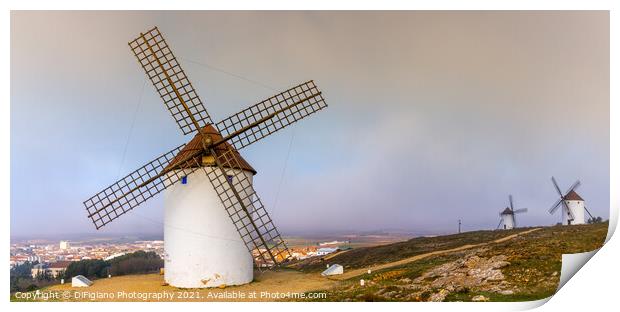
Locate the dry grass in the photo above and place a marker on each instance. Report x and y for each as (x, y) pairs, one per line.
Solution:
(283, 281)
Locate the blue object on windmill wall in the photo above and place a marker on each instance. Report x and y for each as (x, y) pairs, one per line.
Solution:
(184, 180)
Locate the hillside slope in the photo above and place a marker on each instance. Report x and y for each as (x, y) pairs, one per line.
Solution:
(523, 268)
(369, 256)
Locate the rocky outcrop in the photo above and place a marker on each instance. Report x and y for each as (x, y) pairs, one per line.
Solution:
(479, 298)
(470, 274)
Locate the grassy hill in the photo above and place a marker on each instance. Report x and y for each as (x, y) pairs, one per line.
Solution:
(526, 267)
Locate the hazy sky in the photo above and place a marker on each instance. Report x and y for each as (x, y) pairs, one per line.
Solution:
(432, 117)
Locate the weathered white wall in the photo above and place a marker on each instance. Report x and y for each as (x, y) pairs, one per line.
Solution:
(509, 221)
(578, 211)
(202, 246)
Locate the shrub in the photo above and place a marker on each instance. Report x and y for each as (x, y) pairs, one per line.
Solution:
(136, 263)
(89, 268)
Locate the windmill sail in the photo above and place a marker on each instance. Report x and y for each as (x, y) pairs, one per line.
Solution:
(568, 211)
(588, 211)
(271, 115)
(245, 208)
(500, 223)
(556, 205)
(557, 188)
(137, 187)
(166, 74)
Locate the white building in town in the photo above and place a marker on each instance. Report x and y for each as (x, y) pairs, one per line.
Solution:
(64, 245)
(326, 251)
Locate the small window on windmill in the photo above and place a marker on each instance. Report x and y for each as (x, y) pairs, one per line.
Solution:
(229, 178)
(184, 180)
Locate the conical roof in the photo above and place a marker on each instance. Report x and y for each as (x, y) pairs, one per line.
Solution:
(572, 195)
(196, 145)
(506, 211)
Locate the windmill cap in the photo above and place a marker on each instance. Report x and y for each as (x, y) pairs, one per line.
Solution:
(196, 145)
(572, 195)
(506, 211)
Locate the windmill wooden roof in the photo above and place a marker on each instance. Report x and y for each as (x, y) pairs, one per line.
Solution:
(572, 195)
(506, 211)
(196, 145)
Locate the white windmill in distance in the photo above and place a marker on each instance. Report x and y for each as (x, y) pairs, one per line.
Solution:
(573, 206)
(507, 216)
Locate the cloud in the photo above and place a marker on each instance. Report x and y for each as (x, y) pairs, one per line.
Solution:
(433, 116)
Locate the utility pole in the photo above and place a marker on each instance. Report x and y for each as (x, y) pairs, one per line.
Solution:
(459, 226)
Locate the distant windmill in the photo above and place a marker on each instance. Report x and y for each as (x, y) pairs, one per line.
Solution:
(216, 226)
(573, 206)
(507, 216)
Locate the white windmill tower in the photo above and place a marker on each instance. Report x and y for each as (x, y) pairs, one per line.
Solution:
(507, 216)
(215, 223)
(573, 206)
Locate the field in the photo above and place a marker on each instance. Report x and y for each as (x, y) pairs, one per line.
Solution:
(516, 265)
(355, 241)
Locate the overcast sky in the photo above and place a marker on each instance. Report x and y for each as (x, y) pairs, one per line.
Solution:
(432, 117)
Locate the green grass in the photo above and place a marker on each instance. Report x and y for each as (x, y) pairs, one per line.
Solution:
(495, 297)
(536, 258)
(535, 262)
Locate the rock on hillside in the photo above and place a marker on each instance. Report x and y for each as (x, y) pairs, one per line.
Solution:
(468, 274)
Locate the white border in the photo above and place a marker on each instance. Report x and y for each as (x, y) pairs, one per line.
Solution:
(593, 287)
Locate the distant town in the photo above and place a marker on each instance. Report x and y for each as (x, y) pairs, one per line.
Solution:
(54, 256)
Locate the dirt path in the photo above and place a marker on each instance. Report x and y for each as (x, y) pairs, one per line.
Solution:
(357, 272)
